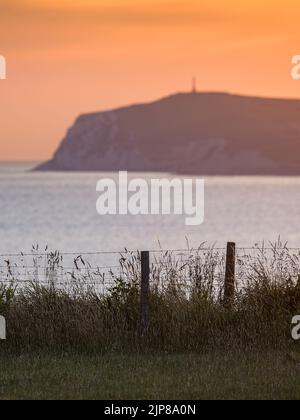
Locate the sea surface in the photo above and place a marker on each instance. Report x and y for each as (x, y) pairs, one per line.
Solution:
(58, 210)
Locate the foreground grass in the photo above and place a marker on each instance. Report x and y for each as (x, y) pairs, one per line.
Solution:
(273, 375)
(186, 304)
(195, 346)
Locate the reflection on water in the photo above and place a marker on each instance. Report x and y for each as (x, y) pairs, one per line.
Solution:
(59, 209)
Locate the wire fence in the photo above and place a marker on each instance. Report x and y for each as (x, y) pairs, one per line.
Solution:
(185, 269)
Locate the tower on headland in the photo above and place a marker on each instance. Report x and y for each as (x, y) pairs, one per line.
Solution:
(194, 85)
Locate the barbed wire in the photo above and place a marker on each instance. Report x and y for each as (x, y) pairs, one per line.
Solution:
(183, 269)
(153, 251)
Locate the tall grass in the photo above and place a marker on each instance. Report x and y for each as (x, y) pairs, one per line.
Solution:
(186, 304)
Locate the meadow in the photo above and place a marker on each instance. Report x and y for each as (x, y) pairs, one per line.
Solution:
(212, 375)
(76, 342)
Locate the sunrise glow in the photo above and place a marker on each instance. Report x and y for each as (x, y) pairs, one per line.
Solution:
(66, 57)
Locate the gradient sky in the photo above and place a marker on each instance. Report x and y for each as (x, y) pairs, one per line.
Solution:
(66, 57)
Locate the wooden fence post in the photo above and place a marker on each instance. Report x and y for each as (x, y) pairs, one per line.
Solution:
(229, 286)
(145, 283)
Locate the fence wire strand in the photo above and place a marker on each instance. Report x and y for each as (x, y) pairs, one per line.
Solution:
(185, 269)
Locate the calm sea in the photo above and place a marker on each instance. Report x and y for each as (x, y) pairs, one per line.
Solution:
(58, 210)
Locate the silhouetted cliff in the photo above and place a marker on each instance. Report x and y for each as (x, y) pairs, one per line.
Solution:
(194, 133)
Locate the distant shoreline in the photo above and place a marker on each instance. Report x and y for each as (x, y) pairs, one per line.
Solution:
(30, 166)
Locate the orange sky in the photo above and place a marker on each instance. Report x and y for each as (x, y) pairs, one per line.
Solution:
(66, 57)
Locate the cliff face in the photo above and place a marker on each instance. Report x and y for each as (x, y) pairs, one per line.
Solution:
(196, 133)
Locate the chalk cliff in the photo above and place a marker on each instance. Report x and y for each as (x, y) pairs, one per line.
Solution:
(192, 133)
